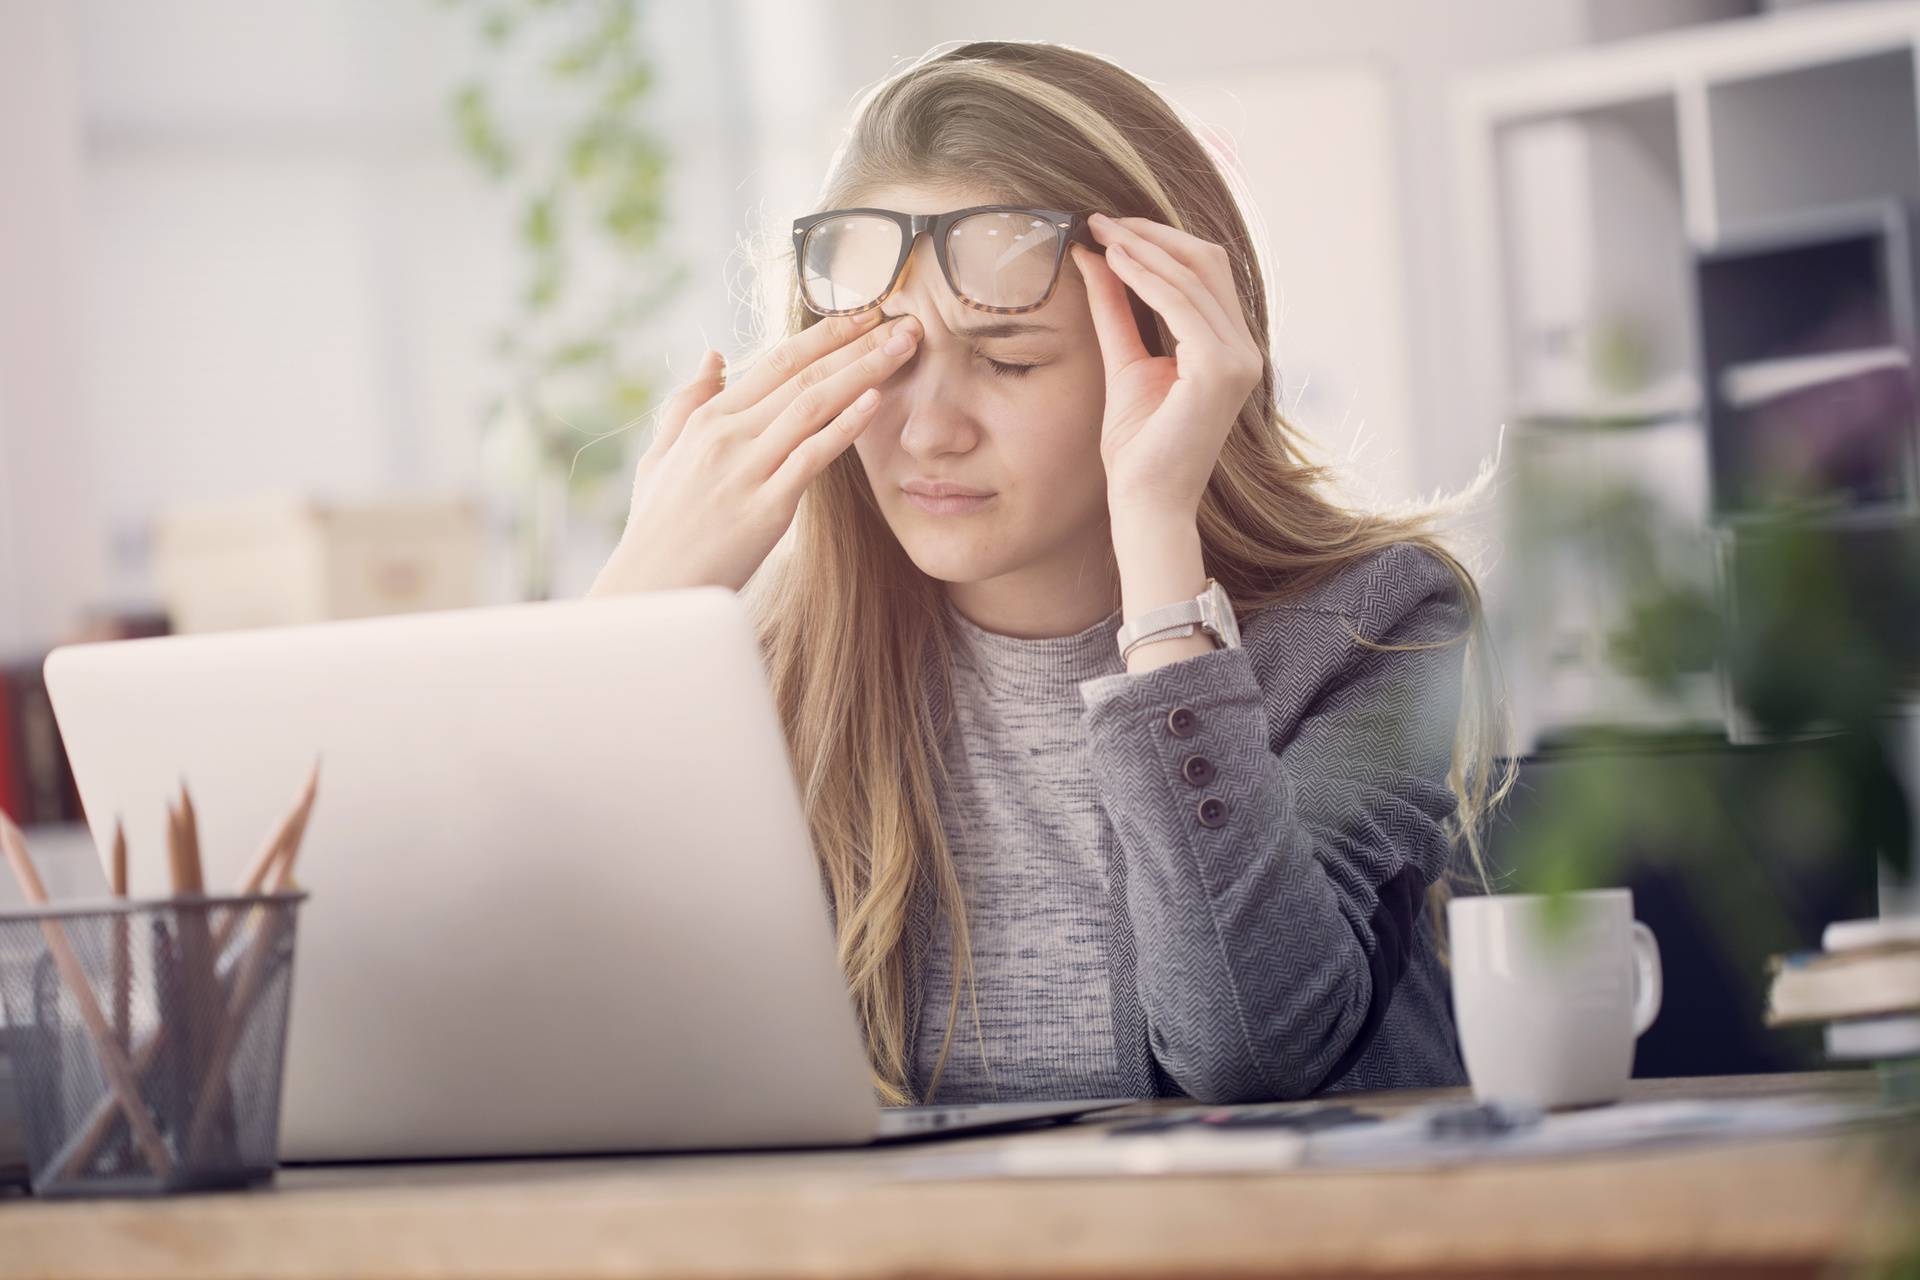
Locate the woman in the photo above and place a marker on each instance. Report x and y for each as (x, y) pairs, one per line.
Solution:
(1055, 871)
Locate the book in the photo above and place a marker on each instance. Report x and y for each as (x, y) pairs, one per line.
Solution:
(1814, 986)
(1851, 935)
(44, 789)
(1894, 1036)
(12, 789)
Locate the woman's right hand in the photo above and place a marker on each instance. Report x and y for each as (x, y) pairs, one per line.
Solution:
(722, 478)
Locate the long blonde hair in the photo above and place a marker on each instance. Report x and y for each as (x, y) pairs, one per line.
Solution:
(853, 631)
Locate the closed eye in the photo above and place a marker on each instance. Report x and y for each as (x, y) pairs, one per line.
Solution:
(1006, 369)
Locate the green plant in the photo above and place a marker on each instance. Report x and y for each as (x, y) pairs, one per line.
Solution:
(590, 200)
(1812, 619)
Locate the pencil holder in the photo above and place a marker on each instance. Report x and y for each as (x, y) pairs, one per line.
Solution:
(148, 1040)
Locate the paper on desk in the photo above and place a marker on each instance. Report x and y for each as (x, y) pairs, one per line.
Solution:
(1097, 1155)
(1406, 1140)
(69, 865)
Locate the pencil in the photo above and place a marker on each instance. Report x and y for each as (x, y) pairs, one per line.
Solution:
(206, 999)
(253, 970)
(93, 1131)
(122, 942)
(119, 1074)
(195, 880)
(283, 833)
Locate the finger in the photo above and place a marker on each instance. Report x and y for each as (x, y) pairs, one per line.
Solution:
(1174, 272)
(1203, 257)
(706, 383)
(791, 355)
(1113, 320)
(776, 402)
(811, 456)
(1175, 307)
(831, 396)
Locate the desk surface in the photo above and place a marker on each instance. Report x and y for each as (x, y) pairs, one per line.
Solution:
(1778, 1206)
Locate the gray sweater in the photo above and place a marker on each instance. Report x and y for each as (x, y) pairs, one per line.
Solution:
(1205, 879)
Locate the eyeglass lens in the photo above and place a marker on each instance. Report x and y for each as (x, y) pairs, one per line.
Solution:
(999, 258)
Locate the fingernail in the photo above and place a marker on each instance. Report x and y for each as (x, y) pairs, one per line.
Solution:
(867, 400)
(901, 342)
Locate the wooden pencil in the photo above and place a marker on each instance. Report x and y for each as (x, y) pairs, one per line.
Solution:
(119, 859)
(205, 1004)
(281, 835)
(253, 969)
(120, 1077)
(287, 835)
(122, 942)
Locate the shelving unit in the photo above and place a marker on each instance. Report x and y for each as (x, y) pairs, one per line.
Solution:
(1807, 336)
(1693, 245)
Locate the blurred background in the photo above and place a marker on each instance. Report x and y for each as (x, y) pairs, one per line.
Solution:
(336, 308)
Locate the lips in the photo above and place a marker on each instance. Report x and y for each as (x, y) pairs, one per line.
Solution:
(947, 503)
(943, 489)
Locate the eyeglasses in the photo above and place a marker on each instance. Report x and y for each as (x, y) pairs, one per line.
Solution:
(995, 257)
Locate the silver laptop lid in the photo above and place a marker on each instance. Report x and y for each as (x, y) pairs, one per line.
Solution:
(562, 891)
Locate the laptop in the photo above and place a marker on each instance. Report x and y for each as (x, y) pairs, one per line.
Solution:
(562, 893)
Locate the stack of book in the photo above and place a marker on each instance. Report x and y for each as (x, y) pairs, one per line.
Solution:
(36, 782)
(1864, 984)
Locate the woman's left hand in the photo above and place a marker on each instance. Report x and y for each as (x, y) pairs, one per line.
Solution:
(1166, 416)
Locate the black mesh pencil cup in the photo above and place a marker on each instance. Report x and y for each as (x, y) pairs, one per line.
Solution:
(148, 1039)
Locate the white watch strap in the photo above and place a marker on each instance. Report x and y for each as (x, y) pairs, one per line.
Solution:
(1185, 613)
(1179, 619)
(1164, 633)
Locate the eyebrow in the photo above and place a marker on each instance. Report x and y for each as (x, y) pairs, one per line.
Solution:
(1004, 329)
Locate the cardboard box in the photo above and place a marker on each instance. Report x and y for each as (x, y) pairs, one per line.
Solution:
(283, 559)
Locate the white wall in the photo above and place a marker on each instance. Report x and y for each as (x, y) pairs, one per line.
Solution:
(240, 250)
(46, 465)
(243, 252)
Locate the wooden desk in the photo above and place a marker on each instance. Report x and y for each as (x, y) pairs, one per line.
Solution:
(1770, 1207)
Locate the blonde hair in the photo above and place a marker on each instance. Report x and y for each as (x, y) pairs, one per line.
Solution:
(853, 631)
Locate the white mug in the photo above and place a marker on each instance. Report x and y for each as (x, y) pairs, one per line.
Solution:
(1548, 1012)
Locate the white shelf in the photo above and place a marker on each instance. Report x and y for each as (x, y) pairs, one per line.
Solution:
(1590, 182)
(1860, 517)
(1671, 63)
(1745, 386)
(1675, 396)
(1596, 254)
(1847, 130)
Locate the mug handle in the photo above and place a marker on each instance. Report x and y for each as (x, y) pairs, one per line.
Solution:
(1647, 978)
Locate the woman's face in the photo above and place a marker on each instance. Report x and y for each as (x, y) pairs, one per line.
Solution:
(1006, 405)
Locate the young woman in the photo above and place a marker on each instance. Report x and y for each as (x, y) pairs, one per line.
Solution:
(1055, 870)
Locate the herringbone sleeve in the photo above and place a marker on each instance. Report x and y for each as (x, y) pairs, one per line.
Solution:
(1279, 812)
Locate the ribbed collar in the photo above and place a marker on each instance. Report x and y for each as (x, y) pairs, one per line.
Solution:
(1042, 667)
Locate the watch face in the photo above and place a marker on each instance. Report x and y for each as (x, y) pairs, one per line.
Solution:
(1228, 625)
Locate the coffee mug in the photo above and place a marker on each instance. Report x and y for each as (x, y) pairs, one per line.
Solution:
(1549, 1009)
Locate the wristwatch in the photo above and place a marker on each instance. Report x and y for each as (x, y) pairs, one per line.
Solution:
(1210, 611)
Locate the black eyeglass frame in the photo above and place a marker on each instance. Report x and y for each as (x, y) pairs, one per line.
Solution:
(1071, 224)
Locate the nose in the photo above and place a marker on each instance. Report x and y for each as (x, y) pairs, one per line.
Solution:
(926, 392)
(911, 291)
(936, 424)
